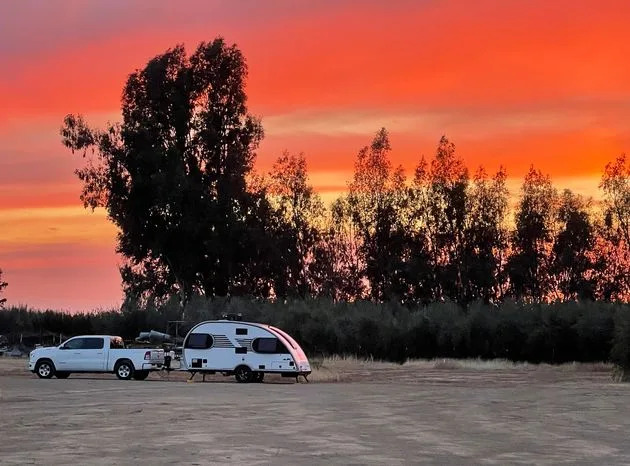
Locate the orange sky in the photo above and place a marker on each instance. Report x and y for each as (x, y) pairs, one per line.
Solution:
(511, 82)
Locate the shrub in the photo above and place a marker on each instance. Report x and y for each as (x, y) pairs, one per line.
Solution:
(620, 353)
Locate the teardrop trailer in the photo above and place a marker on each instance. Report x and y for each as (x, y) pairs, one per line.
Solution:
(246, 350)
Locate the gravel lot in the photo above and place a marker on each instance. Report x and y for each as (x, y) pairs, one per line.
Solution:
(382, 415)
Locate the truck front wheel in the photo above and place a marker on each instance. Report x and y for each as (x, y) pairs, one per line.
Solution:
(45, 369)
(124, 370)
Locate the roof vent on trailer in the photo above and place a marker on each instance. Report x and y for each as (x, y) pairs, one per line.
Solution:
(232, 316)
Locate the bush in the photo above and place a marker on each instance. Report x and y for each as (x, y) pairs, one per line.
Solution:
(620, 353)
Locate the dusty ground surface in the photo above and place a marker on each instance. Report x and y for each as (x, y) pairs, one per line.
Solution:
(433, 412)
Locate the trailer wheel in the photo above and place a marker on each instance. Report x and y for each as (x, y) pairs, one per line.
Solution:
(124, 369)
(258, 377)
(243, 374)
(140, 375)
(45, 369)
(62, 375)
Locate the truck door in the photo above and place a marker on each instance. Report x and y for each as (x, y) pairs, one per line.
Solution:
(82, 354)
(70, 355)
(93, 354)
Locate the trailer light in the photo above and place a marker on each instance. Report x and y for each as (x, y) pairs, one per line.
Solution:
(147, 355)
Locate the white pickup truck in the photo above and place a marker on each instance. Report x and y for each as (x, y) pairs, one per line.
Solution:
(94, 353)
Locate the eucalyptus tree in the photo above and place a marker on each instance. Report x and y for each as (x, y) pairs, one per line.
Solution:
(173, 175)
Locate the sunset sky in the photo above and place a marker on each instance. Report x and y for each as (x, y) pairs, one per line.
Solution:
(510, 82)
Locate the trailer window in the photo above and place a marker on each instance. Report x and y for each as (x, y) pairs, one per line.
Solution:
(269, 346)
(199, 341)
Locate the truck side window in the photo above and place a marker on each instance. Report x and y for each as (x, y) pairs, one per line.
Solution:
(241, 331)
(92, 343)
(74, 344)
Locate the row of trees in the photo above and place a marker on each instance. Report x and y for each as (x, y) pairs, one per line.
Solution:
(447, 236)
(176, 177)
(553, 333)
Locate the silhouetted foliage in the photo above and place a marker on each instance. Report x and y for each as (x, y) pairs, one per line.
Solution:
(529, 266)
(518, 331)
(573, 263)
(176, 177)
(3, 285)
(485, 238)
(612, 244)
(299, 209)
(620, 352)
(375, 203)
(173, 176)
(337, 268)
(615, 184)
(447, 199)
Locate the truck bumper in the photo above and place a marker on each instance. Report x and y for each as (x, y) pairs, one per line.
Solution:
(151, 366)
(31, 366)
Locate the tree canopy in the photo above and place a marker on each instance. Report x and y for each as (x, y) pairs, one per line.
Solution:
(177, 177)
(173, 175)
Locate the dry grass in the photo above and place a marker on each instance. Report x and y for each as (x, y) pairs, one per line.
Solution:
(350, 368)
(343, 368)
(619, 374)
(504, 364)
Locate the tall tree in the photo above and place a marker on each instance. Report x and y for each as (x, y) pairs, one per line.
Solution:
(338, 266)
(616, 186)
(529, 266)
(173, 175)
(446, 216)
(612, 245)
(611, 265)
(485, 237)
(573, 263)
(299, 209)
(375, 200)
(3, 285)
(422, 265)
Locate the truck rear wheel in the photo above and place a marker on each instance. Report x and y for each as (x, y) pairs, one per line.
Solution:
(140, 375)
(243, 374)
(124, 370)
(258, 377)
(45, 369)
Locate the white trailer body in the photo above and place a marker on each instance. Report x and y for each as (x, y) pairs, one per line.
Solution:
(244, 349)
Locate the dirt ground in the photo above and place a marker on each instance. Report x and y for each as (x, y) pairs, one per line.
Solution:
(424, 412)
